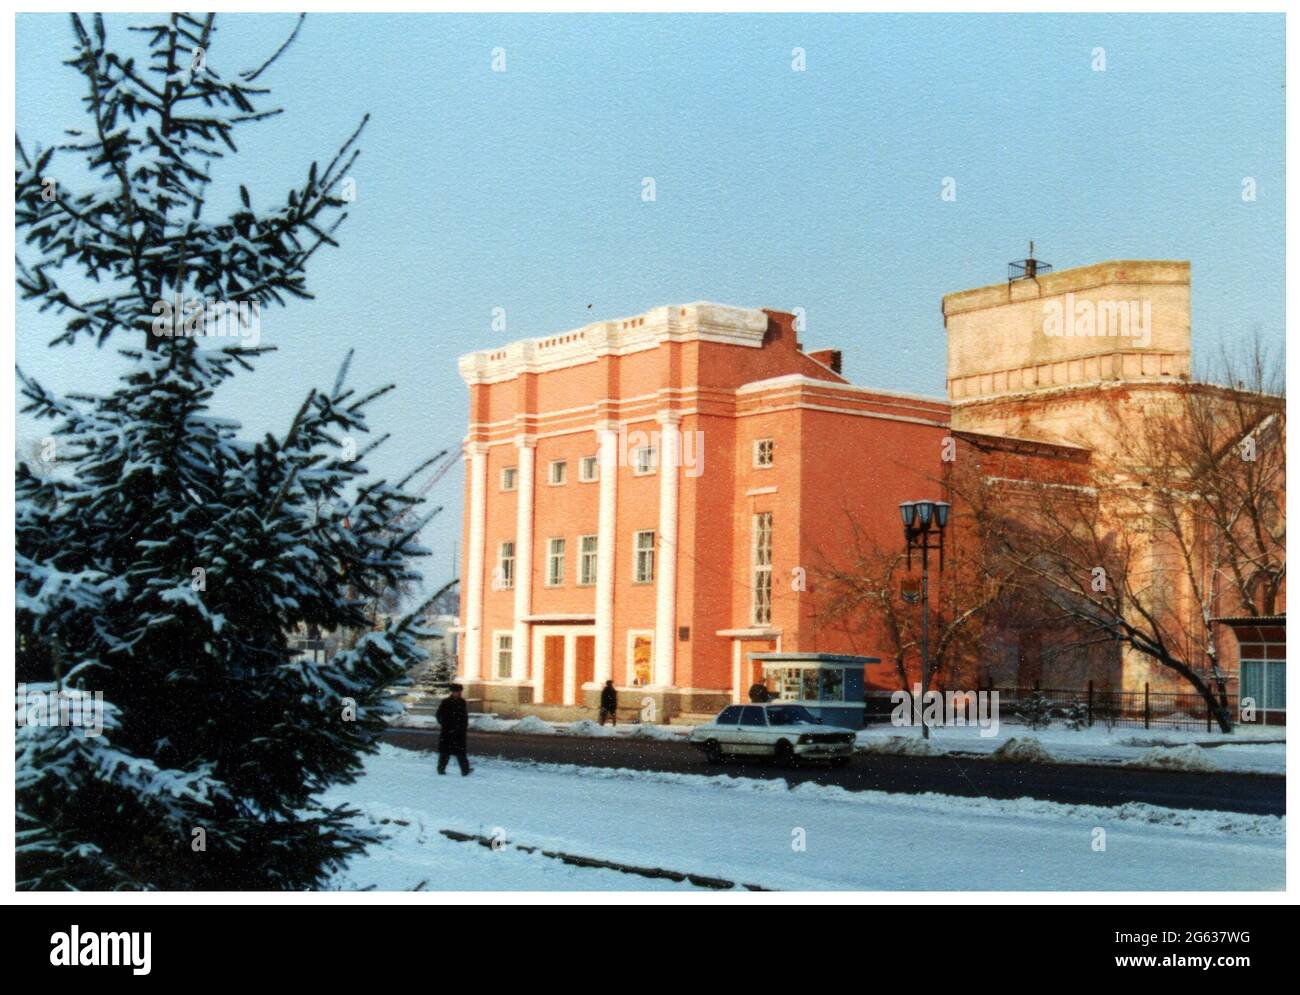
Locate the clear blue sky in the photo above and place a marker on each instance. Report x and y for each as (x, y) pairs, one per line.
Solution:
(816, 189)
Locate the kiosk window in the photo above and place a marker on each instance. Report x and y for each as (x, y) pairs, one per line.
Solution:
(832, 684)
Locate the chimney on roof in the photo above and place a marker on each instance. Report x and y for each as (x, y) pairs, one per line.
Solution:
(829, 357)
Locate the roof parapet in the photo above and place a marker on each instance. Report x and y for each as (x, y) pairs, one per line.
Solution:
(701, 321)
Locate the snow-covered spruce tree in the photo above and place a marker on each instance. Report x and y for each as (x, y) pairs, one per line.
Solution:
(168, 561)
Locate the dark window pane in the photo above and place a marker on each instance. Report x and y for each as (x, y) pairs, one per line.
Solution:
(789, 715)
(729, 717)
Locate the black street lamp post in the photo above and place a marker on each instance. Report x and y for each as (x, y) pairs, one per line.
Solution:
(923, 526)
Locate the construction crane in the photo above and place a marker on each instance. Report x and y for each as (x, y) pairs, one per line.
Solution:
(438, 473)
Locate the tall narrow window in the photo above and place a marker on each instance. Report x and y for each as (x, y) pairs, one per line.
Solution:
(587, 560)
(763, 568)
(555, 563)
(588, 469)
(507, 567)
(559, 472)
(505, 655)
(764, 452)
(644, 556)
(510, 478)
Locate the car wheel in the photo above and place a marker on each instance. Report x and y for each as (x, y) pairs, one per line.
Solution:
(784, 753)
(713, 752)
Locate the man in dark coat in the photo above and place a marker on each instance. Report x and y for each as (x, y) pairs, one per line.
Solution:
(453, 726)
(759, 693)
(608, 703)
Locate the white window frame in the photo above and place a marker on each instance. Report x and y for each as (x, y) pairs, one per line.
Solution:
(583, 476)
(558, 468)
(759, 445)
(1262, 710)
(506, 564)
(510, 478)
(555, 561)
(586, 557)
(638, 552)
(760, 556)
(646, 467)
(497, 636)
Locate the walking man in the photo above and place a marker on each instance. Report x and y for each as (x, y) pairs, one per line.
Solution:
(453, 726)
(608, 703)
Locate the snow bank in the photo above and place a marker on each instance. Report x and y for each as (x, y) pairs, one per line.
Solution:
(490, 723)
(1189, 756)
(650, 730)
(1025, 750)
(586, 727)
(534, 726)
(410, 720)
(901, 746)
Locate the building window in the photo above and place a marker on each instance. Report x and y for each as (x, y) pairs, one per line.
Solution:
(644, 556)
(762, 556)
(640, 657)
(555, 563)
(504, 653)
(644, 460)
(588, 469)
(1265, 682)
(506, 571)
(764, 452)
(587, 560)
(510, 478)
(559, 472)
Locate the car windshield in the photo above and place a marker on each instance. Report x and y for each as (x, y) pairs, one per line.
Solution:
(788, 715)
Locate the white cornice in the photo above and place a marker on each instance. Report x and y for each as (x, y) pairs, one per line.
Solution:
(698, 322)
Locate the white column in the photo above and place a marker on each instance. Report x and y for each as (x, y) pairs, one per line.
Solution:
(474, 568)
(523, 554)
(666, 565)
(606, 542)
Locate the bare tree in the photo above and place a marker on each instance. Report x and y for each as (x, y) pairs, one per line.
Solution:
(864, 594)
(1185, 524)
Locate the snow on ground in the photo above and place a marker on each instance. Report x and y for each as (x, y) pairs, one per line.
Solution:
(1021, 750)
(535, 726)
(1189, 756)
(901, 746)
(1246, 750)
(1249, 749)
(745, 830)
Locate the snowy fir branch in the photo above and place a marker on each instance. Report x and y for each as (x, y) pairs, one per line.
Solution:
(171, 562)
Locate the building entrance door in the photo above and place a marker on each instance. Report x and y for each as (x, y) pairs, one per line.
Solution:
(553, 668)
(585, 664)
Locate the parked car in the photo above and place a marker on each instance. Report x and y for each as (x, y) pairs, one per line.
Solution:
(776, 729)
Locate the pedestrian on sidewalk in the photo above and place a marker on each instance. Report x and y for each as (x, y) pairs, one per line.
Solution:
(609, 703)
(453, 730)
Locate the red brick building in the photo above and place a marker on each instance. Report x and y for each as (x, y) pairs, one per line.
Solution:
(649, 499)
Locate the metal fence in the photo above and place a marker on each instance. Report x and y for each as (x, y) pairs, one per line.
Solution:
(1145, 709)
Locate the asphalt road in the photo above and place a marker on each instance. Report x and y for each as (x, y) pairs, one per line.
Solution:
(1258, 794)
